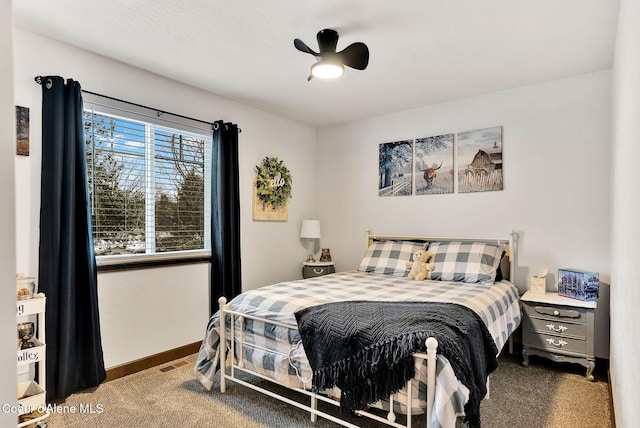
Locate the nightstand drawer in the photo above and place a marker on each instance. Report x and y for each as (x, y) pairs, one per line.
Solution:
(313, 271)
(558, 344)
(559, 313)
(558, 327)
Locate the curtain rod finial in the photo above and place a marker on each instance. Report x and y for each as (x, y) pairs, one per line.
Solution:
(39, 80)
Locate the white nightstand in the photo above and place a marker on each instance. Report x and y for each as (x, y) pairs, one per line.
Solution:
(558, 328)
(312, 269)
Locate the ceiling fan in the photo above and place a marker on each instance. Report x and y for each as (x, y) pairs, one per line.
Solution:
(331, 63)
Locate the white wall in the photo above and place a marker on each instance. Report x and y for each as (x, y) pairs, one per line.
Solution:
(150, 311)
(556, 152)
(7, 243)
(625, 340)
(145, 312)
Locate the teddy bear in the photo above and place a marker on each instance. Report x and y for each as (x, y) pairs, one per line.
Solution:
(420, 266)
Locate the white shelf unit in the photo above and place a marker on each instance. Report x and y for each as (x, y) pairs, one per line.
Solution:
(34, 390)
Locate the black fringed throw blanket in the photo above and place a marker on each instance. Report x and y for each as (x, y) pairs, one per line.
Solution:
(365, 348)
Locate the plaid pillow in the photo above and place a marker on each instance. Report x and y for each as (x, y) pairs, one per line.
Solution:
(465, 261)
(390, 257)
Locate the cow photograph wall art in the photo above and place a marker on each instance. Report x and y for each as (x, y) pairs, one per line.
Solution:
(434, 165)
(479, 158)
(395, 161)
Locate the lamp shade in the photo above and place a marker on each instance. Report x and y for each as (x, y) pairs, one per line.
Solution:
(310, 229)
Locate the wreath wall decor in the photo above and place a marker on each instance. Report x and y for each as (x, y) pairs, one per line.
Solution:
(272, 189)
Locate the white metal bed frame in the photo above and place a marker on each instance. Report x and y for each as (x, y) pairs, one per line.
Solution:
(508, 269)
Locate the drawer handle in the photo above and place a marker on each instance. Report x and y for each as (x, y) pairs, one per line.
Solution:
(560, 343)
(565, 313)
(558, 329)
(318, 271)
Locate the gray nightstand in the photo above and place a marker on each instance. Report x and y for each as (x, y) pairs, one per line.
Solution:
(312, 269)
(558, 328)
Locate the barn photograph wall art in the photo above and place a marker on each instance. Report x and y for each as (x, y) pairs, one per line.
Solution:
(395, 161)
(434, 165)
(479, 159)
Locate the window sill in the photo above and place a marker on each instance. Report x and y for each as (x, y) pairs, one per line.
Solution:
(148, 261)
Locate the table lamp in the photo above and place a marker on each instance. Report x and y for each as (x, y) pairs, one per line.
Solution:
(310, 230)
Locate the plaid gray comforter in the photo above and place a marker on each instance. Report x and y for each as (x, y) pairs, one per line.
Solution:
(274, 347)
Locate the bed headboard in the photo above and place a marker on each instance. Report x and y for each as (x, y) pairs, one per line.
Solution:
(507, 265)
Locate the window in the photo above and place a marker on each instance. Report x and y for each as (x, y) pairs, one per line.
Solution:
(148, 184)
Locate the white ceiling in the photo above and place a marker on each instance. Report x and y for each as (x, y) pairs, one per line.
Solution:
(422, 51)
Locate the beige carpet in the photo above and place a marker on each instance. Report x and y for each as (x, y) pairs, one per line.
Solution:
(542, 395)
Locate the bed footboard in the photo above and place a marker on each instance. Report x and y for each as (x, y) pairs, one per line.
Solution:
(312, 408)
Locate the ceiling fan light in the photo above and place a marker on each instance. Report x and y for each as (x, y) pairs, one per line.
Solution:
(327, 70)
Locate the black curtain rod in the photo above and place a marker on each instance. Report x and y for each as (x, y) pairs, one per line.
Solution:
(159, 113)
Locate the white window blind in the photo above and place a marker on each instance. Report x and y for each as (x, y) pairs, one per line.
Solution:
(148, 183)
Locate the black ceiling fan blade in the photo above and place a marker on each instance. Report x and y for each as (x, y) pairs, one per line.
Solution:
(355, 55)
(301, 46)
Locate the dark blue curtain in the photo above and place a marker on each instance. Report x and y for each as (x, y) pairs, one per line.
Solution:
(225, 215)
(67, 264)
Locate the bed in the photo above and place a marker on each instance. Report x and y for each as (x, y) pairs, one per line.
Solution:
(264, 339)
